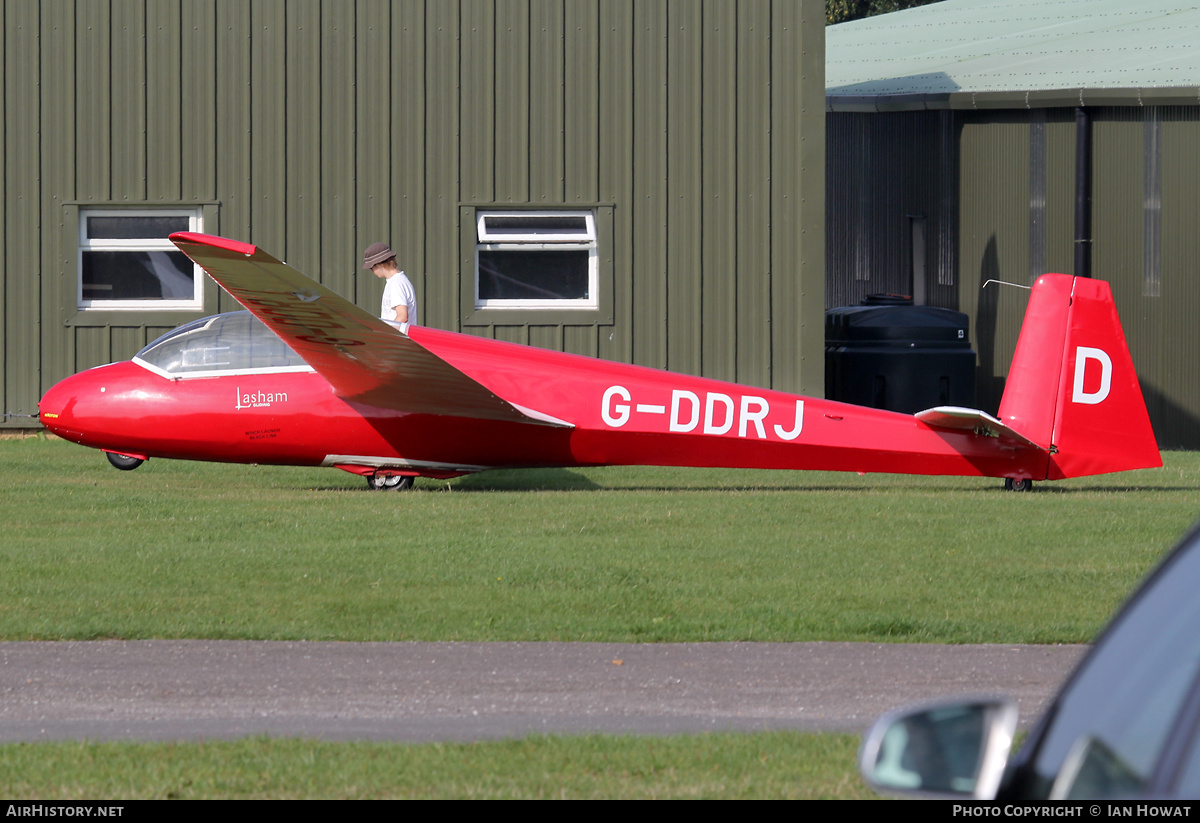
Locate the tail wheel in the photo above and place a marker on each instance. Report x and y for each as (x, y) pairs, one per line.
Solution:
(1017, 484)
(389, 482)
(123, 461)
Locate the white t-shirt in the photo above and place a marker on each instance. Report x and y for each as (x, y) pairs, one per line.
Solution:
(398, 291)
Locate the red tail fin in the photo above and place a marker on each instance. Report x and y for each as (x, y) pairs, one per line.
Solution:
(1072, 388)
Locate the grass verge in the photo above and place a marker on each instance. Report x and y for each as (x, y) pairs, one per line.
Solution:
(765, 765)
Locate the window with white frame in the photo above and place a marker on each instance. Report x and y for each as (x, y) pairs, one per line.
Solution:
(536, 260)
(126, 260)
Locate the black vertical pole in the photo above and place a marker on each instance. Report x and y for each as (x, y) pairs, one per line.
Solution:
(1083, 193)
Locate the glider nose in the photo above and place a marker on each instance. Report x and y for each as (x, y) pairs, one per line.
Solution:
(79, 408)
(105, 407)
(56, 409)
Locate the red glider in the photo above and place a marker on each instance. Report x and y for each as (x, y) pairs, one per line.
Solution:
(351, 391)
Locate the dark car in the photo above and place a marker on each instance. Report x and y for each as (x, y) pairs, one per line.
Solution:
(1126, 723)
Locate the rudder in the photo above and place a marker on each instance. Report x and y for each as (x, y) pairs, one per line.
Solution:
(1072, 388)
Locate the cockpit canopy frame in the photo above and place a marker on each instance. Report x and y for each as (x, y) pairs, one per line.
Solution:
(222, 344)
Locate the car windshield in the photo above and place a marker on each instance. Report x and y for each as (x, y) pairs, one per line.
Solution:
(1109, 726)
(233, 342)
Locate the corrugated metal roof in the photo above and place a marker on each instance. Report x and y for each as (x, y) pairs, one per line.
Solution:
(967, 48)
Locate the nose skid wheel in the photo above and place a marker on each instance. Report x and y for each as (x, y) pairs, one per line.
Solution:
(123, 461)
(389, 482)
(1017, 484)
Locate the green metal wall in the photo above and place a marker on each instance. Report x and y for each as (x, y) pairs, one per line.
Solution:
(1160, 317)
(314, 127)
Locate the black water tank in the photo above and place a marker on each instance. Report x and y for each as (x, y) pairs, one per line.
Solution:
(890, 354)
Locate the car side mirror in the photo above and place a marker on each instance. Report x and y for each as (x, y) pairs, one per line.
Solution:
(949, 749)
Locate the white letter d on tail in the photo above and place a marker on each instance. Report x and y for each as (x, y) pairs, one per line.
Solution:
(1082, 355)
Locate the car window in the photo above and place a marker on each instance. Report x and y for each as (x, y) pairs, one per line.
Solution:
(1110, 723)
(1188, 784)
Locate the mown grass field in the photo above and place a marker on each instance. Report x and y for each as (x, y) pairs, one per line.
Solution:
(175, 550)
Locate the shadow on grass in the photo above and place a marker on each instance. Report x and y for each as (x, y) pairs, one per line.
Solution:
(537, 480)
(564, 480)
(532, 480)
(1047, 488)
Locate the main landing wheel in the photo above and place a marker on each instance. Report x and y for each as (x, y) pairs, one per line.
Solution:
(123, 461)
(389, 482)
(1017, 484)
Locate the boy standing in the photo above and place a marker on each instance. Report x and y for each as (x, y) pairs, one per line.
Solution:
(399, 297)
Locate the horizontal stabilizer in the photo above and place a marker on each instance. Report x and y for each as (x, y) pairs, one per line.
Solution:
(956, 418)
(363, 358)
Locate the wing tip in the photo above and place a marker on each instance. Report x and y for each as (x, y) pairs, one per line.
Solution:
(212, 240)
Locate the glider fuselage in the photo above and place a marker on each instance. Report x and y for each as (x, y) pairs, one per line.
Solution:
(618, 415)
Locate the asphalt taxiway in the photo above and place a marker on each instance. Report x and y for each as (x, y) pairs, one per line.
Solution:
(204, 689)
